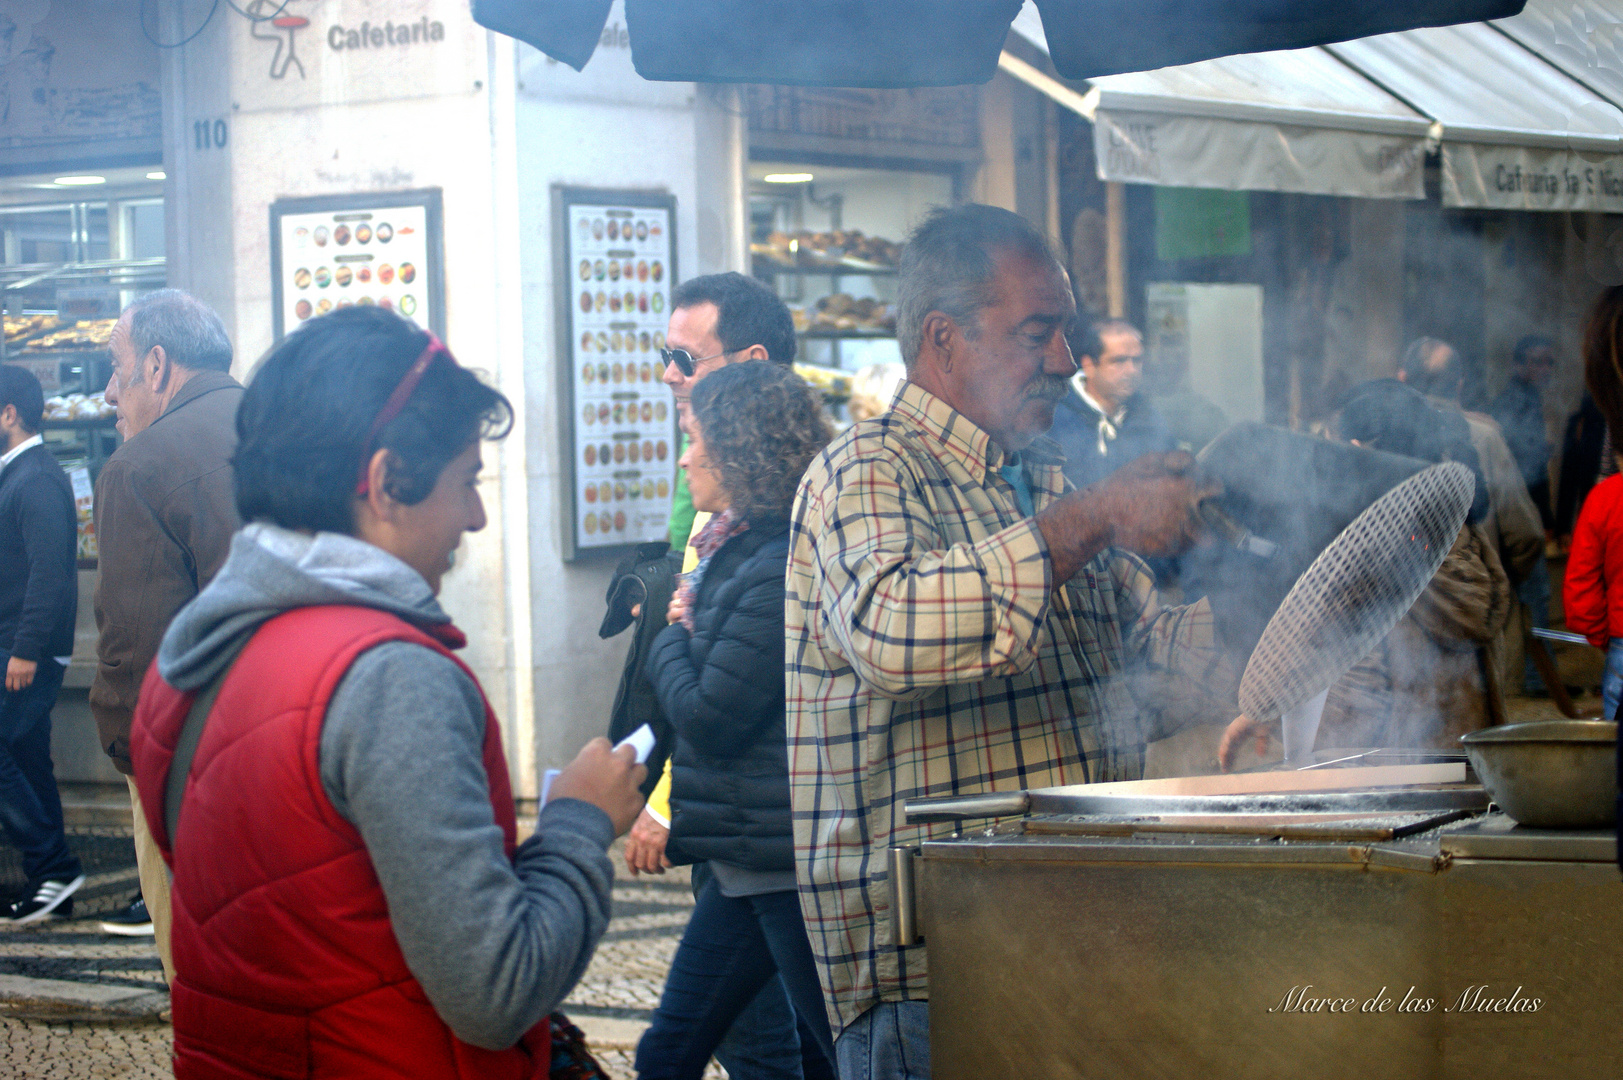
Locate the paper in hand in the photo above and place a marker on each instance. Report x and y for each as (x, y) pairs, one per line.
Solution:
(641, 740)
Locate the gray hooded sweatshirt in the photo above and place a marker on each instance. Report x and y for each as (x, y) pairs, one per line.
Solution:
(495, 943)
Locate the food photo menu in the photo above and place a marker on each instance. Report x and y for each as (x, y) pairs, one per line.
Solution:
(344, 251)
(623, 445)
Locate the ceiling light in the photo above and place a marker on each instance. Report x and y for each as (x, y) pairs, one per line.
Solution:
(781, 178)
(79, 181)
(159, 175)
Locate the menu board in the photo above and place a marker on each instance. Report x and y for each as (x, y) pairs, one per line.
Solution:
(337, 251)
(617, 278)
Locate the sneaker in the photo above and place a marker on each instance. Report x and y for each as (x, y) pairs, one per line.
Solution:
(133, 921)
(52, 899)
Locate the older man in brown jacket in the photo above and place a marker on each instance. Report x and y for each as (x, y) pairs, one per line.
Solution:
(165, 513)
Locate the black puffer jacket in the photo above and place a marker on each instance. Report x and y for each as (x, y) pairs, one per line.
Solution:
(722, 688)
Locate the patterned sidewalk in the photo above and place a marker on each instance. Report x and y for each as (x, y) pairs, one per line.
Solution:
(611, 1003)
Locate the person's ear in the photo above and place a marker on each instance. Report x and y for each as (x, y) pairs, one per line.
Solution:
(376, 499)
(8, 417)
(157, 366)
(755, 352)
(939, 331)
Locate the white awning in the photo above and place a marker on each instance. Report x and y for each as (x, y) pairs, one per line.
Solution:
(1518, 132)
(1528, 112)
(1299, 121)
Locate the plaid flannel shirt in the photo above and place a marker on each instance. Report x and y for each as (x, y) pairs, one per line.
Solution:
(930, 653)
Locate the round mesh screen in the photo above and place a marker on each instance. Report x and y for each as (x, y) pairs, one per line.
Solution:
(1358, 588)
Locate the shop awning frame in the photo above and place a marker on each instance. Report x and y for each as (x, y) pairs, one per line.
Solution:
(1525, 118)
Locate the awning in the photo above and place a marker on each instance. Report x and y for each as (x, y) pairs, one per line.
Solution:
(1518, 132)
(1299, 120)
(1526, 111)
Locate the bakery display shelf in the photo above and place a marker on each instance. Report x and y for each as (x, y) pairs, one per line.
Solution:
(846, 335)
(95, 423)
(764, 265)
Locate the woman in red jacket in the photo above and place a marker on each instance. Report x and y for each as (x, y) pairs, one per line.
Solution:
(350, 898)
(1593, 592)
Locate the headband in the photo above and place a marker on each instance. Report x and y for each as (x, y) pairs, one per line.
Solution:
(396, 404)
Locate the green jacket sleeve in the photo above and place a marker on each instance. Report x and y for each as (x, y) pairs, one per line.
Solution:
(681, 504)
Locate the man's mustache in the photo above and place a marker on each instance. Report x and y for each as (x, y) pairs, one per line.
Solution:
(1051, 388)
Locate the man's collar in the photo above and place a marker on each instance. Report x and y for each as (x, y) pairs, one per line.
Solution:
(200, 383)
(961, 437)
(20, 449)
(1094, 404)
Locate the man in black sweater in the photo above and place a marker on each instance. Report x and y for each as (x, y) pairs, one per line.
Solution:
(38, 536)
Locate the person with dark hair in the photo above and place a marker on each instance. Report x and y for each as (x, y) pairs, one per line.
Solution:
(39, 597)
(716, 320)
(1433, 368)
(164, 518)
(1105, 422)
(335, 914)
(718, 672)
(959, 620)
(1519, 411)
(1584, 450)
(1439, 673)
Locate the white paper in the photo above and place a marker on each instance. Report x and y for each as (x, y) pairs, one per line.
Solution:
(642, 740)
(546, 784)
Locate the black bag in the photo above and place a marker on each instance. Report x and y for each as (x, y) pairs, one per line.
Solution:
(647, 577)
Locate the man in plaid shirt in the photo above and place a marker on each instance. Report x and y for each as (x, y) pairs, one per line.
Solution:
(957, 621)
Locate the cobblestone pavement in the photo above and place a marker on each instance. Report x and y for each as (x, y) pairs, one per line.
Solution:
(615, 996)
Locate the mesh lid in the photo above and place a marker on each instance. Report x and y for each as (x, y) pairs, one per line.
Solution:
(1356, 590)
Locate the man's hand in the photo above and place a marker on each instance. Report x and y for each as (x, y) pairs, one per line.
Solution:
(674, 612)
(1234, 737)
(606, 778)
(20, 674)
(645, 846)
(1148, 506)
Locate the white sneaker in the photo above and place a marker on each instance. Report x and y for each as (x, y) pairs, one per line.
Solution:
(51, 898)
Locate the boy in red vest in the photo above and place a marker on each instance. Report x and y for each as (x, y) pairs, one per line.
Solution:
(349, 897)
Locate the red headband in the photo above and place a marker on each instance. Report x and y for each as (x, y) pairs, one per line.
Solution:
(397, 403)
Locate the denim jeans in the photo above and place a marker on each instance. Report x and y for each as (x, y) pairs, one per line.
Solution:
(732, 947)
(891, 1041)
(1611, 683)
(767, 1041)
(30, 807)
(763, 1043)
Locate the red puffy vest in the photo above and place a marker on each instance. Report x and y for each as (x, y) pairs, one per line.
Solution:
(286, 965)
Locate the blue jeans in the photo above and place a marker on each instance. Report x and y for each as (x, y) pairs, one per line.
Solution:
(732, 947)
(763, 1043)
(891, 1041)
(1611, 683)
(30, 807)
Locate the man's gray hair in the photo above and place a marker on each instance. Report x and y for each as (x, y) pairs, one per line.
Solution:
(191, 334)
(949, 266)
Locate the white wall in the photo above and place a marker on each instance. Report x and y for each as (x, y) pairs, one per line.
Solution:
(495, 125)
(604, 128)
(426, 115)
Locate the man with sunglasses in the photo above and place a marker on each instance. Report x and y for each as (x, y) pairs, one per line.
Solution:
(716, 320)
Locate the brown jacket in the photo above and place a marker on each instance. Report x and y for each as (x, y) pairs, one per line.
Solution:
(165, 513)
(1436, 676)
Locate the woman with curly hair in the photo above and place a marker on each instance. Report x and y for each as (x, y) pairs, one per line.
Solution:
(718, 670)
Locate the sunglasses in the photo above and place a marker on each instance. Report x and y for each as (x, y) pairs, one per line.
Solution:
(685, 361)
